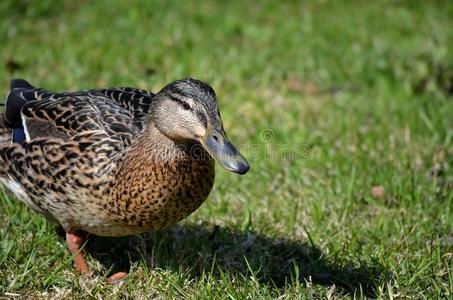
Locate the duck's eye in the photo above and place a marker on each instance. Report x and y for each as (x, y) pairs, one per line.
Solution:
(185, 105)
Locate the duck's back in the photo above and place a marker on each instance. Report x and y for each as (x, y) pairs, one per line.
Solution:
(119, 112)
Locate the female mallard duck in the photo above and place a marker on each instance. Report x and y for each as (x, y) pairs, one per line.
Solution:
(113, 162)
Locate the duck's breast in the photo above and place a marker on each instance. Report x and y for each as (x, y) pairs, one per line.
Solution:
(152, 194)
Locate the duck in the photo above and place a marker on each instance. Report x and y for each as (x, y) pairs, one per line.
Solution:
(114, 161)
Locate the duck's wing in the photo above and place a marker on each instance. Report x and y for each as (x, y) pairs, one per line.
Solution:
(136, 101)
(72, 115)
(118, 113)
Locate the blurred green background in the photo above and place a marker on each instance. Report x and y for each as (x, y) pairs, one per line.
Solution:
(328, 99)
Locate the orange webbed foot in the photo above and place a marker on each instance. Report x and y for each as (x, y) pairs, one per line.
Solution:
(116, 277)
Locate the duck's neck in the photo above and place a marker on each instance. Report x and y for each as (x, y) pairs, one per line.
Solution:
(155, 146)
(154, 142)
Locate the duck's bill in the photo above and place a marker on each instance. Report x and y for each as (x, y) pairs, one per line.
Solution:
(221, 149)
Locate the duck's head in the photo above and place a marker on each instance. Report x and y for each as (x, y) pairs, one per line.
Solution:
(186, 110)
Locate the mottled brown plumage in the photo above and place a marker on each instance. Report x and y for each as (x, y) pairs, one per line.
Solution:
(117, 161)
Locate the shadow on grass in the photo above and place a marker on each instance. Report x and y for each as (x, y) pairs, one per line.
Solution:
(196, 249)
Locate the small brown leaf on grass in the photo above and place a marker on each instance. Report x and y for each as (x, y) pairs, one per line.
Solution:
(297, 85)
(294, 83)
(378, 191)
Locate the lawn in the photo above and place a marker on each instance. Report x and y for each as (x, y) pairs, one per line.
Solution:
(344, 109)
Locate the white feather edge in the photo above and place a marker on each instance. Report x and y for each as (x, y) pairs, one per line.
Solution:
(24, 124)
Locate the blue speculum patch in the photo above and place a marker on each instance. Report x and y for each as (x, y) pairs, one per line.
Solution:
(18, 135)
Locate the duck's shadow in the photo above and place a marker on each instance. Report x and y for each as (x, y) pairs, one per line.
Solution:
(207, 250)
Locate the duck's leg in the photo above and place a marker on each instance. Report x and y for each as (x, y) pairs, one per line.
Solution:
(75, 242)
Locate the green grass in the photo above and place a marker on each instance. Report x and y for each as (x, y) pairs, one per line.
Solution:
(326, 98)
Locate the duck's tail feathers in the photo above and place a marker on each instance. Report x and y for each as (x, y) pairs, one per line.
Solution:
(14, 102)
(21, 84)
(11, 120)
